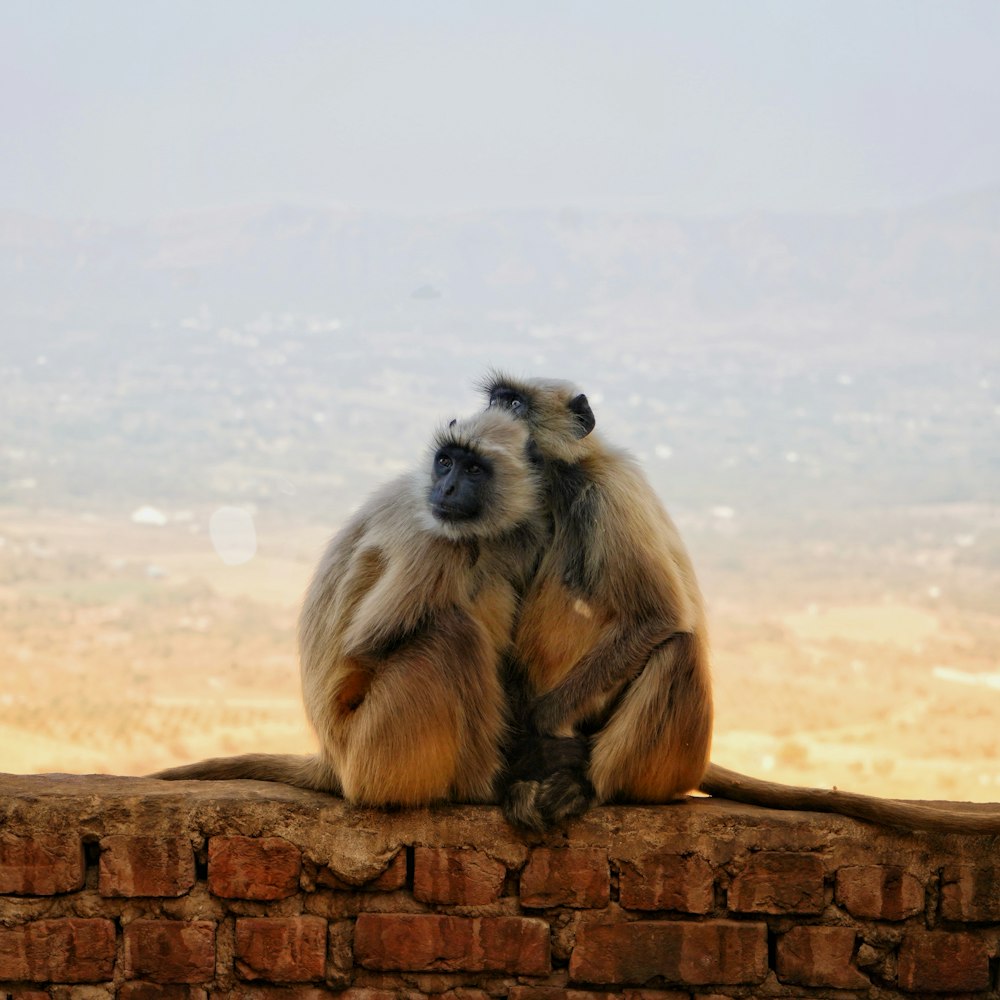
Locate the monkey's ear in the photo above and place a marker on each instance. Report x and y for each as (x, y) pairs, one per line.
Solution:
(452, 422)
(580, 408)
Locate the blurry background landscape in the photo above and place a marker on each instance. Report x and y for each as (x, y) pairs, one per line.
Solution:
(199, 383)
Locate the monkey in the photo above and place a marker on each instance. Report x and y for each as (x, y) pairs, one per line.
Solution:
(609, 661)
(609, 664)
(404, 625)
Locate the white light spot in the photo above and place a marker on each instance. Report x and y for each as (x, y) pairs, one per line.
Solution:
(582, 608)
(151, 516)
(791, 456)
(663, 451)
(767, 762)
(965, 541)
(844, 379)
(233, 535)
(723, 513)
(934, 592)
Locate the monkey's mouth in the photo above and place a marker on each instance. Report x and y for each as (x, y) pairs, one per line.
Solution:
(446, 512)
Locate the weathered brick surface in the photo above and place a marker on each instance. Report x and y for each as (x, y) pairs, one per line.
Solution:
(456, 876)
(145, 866)
(775, 882)
(576, 876)
(159, 991)
(936, 962)
(64, 950)
(260, 991)
(281, 949)
(701, 901)
(451, 944)
(394, 877)
(253, 867)
(970, 892)
(681, 952)
(170, 951)
(820, 956)
(684, 883)
(40, 865)
(879, 892)
(559, 993)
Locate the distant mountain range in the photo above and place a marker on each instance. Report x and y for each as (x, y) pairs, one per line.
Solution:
(933, 266)
(767, 363)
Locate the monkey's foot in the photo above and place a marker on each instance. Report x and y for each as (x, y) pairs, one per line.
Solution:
(543, 804)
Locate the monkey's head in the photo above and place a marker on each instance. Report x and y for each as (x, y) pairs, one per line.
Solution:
(483, 481)
(556, 412)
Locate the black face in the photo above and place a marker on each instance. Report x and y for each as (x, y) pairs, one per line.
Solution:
(460, 480)
(509, 399)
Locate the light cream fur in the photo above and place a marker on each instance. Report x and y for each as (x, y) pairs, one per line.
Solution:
(401, 635)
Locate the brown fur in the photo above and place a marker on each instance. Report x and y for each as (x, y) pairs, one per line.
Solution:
(401, 636)
(612, 632)
(577, 649)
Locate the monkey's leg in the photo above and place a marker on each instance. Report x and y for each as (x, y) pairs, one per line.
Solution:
(429, 727)
(655, 746)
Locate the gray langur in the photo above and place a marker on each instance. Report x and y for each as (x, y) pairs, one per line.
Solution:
(608, 671)
(405, 624)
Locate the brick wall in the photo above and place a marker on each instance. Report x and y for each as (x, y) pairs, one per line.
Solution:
(159, 891)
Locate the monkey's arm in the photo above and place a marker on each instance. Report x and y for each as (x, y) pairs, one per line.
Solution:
(617, 658)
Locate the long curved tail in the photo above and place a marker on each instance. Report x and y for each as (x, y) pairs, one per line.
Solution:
(723, 783)
(301, 771)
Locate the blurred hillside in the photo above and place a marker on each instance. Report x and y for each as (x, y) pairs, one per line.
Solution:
(815, 399)
(761, 363)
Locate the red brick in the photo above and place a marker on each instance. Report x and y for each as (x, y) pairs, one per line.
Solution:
(281, 949)
(253, 867)
(64, 950)
(932, 962)
(456, 877)
(678, 882)
(558, 993)
(774, 882)
(41, 865)
(820, 956)
(970, 892)
(681, 952)
(566, 877)
(156, 991)
(394, 877)
(661, 995)
(881, 892)
(170, 951)
(245, 991)
(431, 943)
(146, 866)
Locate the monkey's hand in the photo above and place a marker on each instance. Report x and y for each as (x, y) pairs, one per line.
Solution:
(547, 784)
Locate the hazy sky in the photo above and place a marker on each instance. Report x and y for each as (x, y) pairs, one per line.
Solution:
(128, 109)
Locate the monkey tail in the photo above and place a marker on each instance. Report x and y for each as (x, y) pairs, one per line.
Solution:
(301, 771)
(720, 782)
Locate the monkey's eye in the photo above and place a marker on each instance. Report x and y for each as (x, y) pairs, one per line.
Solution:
(473, 469)
(507, 399)
(443, 462)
